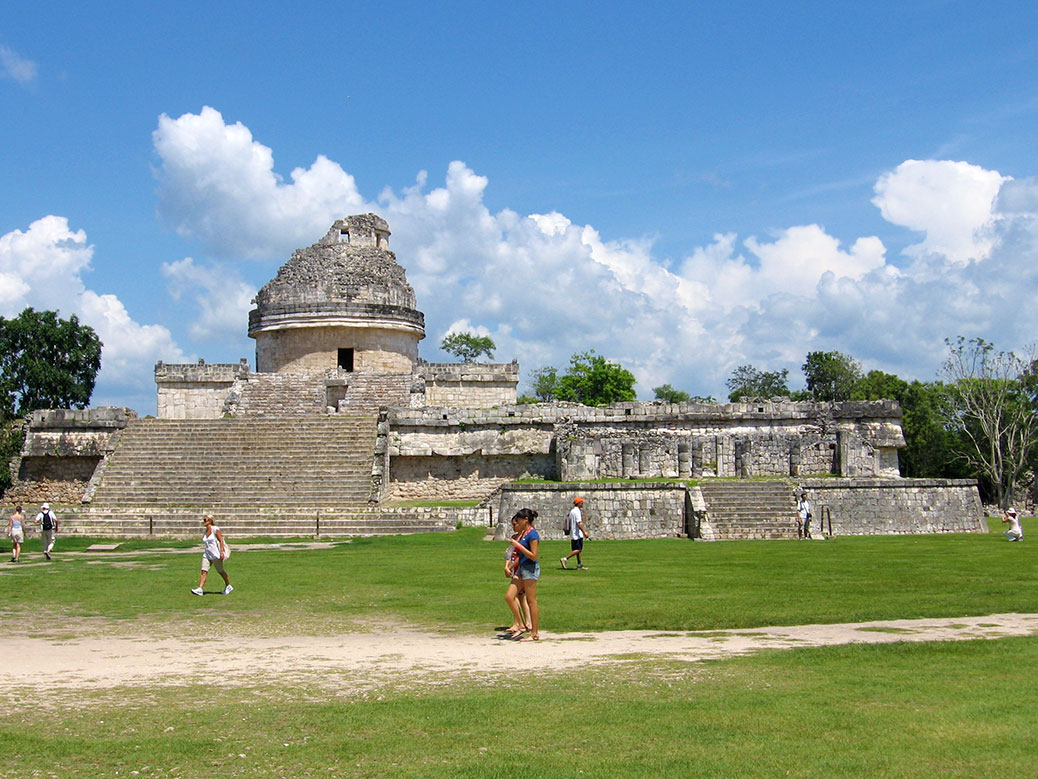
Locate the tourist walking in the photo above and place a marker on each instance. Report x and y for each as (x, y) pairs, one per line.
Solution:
(803, 516)
(48, 522)
(527, 572)
(214, 552)
(574, 527)
(1015, 532)
(16, 532)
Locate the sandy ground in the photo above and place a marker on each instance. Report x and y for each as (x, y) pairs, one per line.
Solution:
(364, 659)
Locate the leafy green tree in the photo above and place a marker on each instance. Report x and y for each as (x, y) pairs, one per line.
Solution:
(468, 346)
(545, 384)
(830, 375)
(748, 382)
(932, 449)
(992, 402)
(46, 362)
(593, 380)
(667, 393)
(877, 385)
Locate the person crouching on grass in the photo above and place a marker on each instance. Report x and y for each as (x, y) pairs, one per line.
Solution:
(214, 552)
(527, 572)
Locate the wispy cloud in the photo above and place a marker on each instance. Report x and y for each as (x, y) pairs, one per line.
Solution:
(16, 67)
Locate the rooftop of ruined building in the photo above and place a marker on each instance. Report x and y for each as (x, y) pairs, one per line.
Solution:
(348, 265)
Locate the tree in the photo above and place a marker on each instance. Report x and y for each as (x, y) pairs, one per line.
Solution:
(467, 346)
(992, 401)
(877, 385)
(46, 362)
(593, 380)
(545, 384)
(748, 382)
(667, 393)
(830, 376)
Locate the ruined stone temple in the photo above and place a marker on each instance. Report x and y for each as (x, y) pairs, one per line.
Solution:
(340, 428)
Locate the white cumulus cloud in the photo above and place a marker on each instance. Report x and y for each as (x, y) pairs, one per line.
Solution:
(218, 185)
(950, 202)
(43, 267)
(544, 288)
(222, 297)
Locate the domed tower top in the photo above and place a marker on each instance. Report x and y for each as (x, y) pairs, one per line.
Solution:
(342, 302)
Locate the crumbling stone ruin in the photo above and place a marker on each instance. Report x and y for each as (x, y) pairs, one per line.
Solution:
(337, 333)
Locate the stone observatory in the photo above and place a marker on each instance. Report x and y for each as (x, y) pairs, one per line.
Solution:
(343, 302)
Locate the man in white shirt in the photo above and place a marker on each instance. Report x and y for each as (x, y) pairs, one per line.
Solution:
(48, 523)
(803, 516)
(577, 534)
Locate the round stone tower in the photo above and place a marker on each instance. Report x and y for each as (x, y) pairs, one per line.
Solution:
(343, 302)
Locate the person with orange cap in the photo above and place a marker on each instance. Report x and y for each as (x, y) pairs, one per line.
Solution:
(574, 527)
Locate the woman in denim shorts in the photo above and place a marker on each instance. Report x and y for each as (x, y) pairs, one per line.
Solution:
(529, 569)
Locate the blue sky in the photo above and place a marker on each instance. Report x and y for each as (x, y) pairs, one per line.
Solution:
(684, 188)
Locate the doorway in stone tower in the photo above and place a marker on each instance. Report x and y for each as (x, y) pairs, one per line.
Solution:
(346, 360)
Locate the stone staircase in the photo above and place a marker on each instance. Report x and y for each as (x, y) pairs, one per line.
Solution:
(317, 462)
(747, 509)
(365, 393)
(276, 394)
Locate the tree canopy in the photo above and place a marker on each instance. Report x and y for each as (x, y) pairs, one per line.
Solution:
(46, 362)
(591, 379)
(468, 346)
(748, 382)
(830, 376)
(667, 393)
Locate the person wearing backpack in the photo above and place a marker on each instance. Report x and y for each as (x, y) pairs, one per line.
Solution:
(48, 522)
(573, 527)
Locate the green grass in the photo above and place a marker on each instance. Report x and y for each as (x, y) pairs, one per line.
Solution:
(936, 709)
(455, 581)
(890, 710)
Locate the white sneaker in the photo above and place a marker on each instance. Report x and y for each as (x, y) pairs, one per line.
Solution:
(228, 590)
(563, 561)
(197, 591)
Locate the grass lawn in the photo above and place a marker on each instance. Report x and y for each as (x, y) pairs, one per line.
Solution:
(939, 709)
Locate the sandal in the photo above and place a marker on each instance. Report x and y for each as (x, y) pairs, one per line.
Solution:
(530, 638)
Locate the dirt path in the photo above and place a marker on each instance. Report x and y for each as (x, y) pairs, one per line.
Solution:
(363, 659)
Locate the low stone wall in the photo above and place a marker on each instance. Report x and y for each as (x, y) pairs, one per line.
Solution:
(469, 385)
(896, 506)
(62, 450)
(470, 477)
(611, 511)
(195, 391)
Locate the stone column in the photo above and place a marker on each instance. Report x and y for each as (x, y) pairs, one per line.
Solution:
(627, 460)
(684, 460)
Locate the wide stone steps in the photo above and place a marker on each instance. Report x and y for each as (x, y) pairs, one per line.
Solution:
(741, 510)
(319, 460)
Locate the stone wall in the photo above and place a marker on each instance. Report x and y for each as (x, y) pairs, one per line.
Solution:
(469, 477)
(611, 511)
(655, 510)
(638, 440)
(895, 506)
(62, 450)
(196, 391)
(316, 349)
(469, 385)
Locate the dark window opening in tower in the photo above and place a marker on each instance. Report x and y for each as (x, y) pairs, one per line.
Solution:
(346, 359)
(344, 236)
